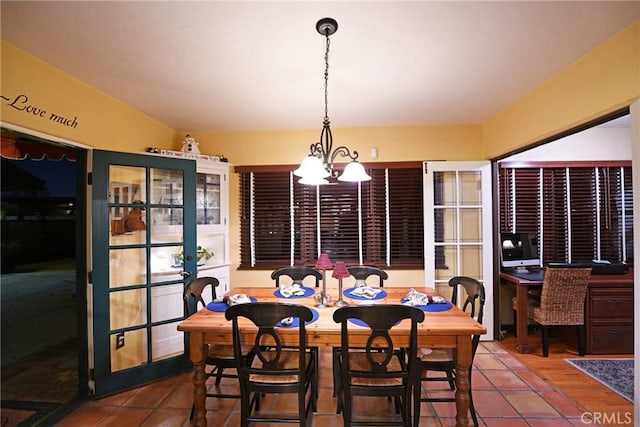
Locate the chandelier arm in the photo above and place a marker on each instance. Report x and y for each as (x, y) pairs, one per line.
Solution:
(344, 152)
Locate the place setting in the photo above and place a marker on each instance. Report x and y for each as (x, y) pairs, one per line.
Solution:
(295, 290)
(426, 302)
(221, 306)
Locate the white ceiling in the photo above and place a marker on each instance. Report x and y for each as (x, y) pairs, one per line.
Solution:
(237, 65)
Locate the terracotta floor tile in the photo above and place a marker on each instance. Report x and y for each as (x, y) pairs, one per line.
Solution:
(549, 422)
(133, 417)
(534, 381)
(88, 415)
(493, 404)
(487, 361)
(149, 396)
(504, 422)
(480, 382)
(506, 380)
(166, 418)
(180, 397)
(530, 404)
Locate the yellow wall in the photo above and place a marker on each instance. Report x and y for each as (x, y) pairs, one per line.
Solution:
(100, 121)
(603, 81)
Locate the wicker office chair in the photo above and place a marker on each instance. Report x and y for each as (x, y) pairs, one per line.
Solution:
(561, 302)
(380, 368)
(441, 360)
(362, 272)
(296, 274)
(276, 368)
(219, 357)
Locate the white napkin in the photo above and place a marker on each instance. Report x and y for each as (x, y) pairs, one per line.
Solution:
(365, 291)
(294, 289)
(415, 298)
(238, 299)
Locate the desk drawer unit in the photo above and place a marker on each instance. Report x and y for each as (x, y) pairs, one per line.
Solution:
(609, 320)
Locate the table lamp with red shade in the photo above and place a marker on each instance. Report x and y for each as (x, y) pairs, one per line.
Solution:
(340, 272)
(323, 264)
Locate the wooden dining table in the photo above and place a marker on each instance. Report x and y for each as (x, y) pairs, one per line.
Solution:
(450, 328)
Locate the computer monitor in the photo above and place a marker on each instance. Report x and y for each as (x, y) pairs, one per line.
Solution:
(519, 250)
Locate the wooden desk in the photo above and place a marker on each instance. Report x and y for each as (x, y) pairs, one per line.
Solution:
(614, 289)
(448, 329)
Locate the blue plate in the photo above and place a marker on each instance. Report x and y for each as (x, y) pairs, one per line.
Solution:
(222, 306)
(361, 322)
(443, 306)
(307, 293)
(296, 320)
(380, 295)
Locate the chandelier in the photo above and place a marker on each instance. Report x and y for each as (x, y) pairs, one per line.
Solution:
(318, 165)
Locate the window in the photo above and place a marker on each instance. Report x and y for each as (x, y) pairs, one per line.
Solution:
(379, 222)
(580, 211)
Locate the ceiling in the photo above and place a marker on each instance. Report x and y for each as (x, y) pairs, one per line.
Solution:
(244, 66)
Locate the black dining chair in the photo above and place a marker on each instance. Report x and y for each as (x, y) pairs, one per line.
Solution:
(362, 272)
(276, 368)
(380, 368)
(441, 361)
(296, 274)
(219, 358)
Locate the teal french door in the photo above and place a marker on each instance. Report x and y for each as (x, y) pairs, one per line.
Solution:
(143, 240)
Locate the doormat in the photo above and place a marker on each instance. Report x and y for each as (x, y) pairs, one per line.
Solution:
(16, 413)
(617, 374)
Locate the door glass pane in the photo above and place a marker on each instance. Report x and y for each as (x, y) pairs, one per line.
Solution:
(445, 230)
(128, 349)
(472, 261)
(470, 225)
(166, 217)
(127, 266)
(470, 188)
(127, 308)
(166, 343)
(444, 188)
(168, 187)
(166, 302)
(451, 261)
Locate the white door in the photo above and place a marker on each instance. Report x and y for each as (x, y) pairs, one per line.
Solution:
(458, 227)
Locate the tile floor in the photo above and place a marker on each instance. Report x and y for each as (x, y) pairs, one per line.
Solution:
(506, 393)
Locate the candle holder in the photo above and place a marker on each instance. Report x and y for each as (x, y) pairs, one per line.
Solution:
(340, 272)
(323, 264)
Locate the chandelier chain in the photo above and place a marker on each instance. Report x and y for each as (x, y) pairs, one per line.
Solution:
(326, 80)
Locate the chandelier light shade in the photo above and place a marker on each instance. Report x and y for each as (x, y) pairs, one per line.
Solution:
(318, 165)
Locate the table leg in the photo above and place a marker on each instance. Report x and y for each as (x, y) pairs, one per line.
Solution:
(463, 365)
(522, 319)
(198, 352)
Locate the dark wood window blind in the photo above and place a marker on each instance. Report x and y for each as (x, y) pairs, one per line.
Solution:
(579, 210)
(380, 223)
